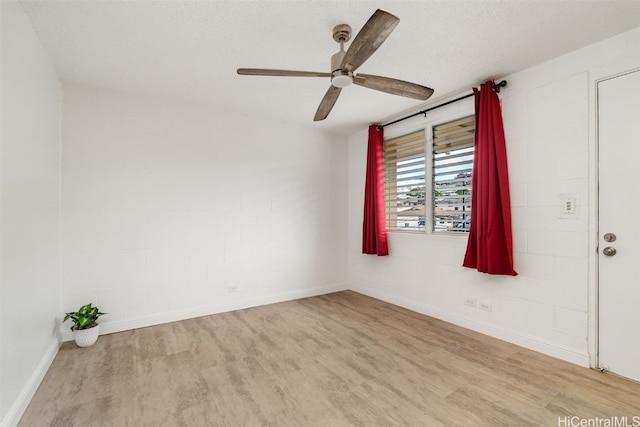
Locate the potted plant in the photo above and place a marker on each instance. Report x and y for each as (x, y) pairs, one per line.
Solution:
(85, 326)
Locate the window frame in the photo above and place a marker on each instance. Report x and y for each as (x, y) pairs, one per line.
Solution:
(411, 145)
(435, 118)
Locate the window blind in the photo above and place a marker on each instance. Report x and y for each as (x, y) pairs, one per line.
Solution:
(452, 168)
(404, 172)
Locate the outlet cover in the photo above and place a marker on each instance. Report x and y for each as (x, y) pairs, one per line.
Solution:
(485, 305)
(470, 302)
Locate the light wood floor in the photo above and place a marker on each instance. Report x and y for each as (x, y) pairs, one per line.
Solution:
(337, 360)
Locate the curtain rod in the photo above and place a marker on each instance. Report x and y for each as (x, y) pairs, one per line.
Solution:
(496, 87)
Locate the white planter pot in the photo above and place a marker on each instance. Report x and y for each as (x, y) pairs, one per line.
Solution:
(86, 337)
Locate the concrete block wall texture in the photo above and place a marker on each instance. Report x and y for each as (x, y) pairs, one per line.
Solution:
(549, 112)
(176, 210)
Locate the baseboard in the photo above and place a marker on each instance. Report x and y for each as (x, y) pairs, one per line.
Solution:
(16, 411)
(174, 316)
(523, 340)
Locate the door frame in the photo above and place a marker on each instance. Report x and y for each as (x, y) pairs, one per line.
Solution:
(608, 72)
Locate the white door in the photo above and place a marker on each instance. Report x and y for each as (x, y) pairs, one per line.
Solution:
(619, 224)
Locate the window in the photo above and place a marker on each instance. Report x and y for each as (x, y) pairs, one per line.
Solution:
(451, 177)
(404, 182)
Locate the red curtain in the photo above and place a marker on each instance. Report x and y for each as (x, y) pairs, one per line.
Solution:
(489, 249)
(374, 228)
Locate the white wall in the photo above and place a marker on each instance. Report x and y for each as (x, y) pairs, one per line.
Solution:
(165, 206)
(548, 112)
(29, 199)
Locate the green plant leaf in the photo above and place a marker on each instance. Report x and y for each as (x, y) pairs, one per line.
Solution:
(86, 316)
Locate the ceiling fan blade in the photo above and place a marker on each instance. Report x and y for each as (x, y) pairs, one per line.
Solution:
(369, 39)
(327, 103)
(393, 86)
(283, 73)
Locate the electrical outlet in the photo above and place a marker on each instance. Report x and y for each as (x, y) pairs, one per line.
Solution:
(232, 288)
(470, 302)
(485, 305)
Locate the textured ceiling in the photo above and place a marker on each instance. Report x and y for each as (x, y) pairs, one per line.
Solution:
(189, 51)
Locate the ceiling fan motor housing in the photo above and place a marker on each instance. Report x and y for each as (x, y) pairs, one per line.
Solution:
(339, 77)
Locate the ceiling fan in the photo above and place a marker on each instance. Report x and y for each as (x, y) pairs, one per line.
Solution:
(343, 64)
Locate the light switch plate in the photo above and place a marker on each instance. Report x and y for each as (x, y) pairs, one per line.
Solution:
(568, 206)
